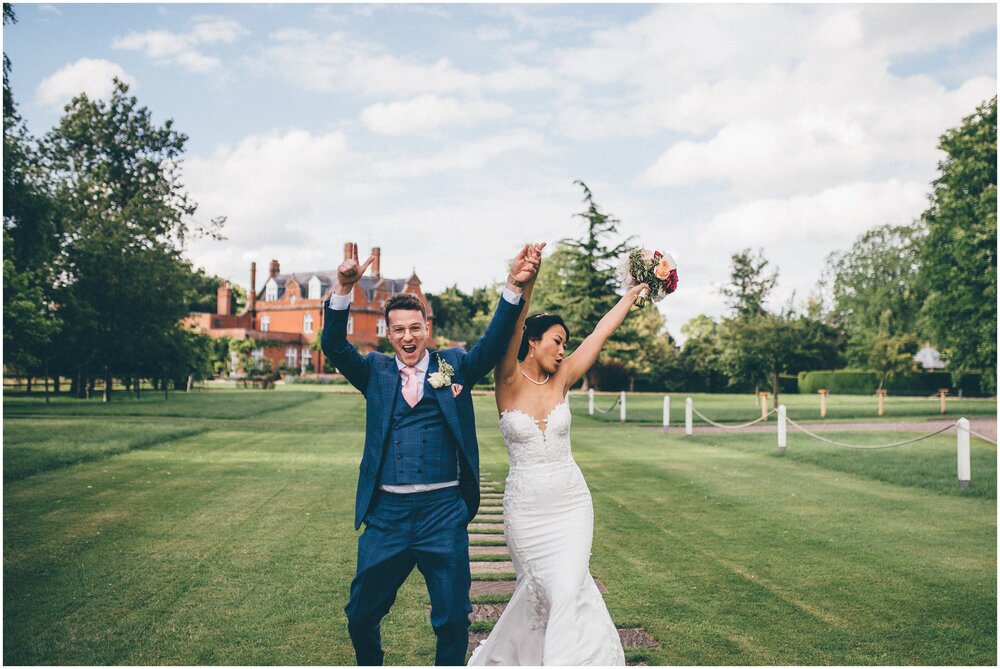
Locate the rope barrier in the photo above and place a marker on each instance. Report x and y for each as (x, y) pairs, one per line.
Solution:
(976, 434)
(731, 427)
(617, 400)
(862, 447)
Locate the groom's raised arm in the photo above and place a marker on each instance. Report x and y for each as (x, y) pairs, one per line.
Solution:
(334, 339)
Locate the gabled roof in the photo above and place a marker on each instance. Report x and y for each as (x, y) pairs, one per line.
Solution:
(328, 279)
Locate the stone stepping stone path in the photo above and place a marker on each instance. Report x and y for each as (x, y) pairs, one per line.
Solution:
(487, 527)
(488, 550)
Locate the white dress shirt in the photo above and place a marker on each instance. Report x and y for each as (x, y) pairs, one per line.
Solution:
(341, 302)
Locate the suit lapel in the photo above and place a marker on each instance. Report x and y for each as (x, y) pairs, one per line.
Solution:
(391, 382)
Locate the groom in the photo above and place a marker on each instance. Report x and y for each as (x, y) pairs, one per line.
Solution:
(419, 482)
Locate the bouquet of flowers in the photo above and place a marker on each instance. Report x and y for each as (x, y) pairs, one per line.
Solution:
(656, 269)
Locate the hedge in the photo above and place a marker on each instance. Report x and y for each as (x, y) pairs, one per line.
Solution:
(841, 382)
(919, 384)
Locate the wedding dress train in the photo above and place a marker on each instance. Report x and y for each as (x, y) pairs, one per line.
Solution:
(556, 615)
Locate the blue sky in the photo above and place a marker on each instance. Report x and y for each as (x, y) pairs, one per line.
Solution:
(449, 135)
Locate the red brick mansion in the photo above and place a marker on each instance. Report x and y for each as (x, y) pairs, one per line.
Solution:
(286, 315)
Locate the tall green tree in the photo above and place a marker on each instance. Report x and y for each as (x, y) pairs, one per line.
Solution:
(757, 347)
(30, 241)
(579, 280)
(749, 284)
(124, 284)
(959, 263)
(874, 291)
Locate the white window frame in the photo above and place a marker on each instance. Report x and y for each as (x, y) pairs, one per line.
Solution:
(258, 353)
(315, 288)
(271, 290)
(381, 327)
(307, 323)
(292, 356)
(265, 323)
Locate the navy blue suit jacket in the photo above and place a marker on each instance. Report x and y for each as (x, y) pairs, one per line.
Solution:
(377, 377)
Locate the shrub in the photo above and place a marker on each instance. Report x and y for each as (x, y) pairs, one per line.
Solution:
(918, 383)
(844, 382)
(788, 384)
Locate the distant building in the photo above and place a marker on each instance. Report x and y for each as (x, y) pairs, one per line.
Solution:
(929, 358)
(286, 314)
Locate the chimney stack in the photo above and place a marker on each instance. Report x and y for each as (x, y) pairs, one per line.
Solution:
(224, 298)
(252, 297)
(275, 268)
(377, 263)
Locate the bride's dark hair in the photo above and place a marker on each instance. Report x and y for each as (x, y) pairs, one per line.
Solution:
(535, 326)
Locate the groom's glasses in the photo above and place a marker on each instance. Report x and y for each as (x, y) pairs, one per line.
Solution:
(399, 331)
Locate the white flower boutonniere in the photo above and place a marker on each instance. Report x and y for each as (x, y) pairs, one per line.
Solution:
(442, 377)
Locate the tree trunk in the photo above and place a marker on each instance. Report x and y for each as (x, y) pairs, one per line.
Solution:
(27, 381)
(107, 384)
(775, 405)
(56, 384)
(138, 382)
(75, 385)
(166, 388)
(90, 387)
(46, 373)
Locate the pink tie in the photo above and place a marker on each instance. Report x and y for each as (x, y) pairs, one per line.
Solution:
(410, 385)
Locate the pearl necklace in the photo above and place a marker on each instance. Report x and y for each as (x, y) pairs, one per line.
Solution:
(537, 383)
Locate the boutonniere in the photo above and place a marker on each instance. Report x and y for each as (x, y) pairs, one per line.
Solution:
(442, 377)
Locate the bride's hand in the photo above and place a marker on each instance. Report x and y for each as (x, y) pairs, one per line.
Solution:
(633, 293)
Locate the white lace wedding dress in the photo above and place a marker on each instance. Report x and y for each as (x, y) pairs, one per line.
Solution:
(556, 615)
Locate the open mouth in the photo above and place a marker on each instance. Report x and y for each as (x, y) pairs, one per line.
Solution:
(409, 349)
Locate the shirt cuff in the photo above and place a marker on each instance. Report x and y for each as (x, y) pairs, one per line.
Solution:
(511, 296)
(340, 302)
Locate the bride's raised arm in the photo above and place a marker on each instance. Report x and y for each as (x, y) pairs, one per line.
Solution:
(506, 369)
(585, 355)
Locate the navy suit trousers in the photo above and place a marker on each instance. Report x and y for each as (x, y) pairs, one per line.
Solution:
(427, 530)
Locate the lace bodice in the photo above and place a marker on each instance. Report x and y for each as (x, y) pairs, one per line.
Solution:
(530, 443)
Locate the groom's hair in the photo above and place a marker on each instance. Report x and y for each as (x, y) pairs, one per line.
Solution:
(407, 301)
(535, 326)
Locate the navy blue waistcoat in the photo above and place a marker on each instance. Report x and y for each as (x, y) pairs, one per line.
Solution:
(420, 447)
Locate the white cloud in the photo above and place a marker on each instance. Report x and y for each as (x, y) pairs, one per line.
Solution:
(93, 76)
(168, 48)
(427, 112)
(338, 61)
(830, 218)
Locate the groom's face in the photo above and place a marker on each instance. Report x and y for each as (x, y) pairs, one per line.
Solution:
(408, 335)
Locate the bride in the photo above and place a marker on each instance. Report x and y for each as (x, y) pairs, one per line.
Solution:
(556, 615)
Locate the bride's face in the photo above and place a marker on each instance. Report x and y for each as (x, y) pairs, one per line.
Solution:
(548, 351)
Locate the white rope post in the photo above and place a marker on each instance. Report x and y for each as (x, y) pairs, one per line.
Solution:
(590, 402)
(689, 416)
(782, 429)
(964, 457)
(621, 411)
(666, 412)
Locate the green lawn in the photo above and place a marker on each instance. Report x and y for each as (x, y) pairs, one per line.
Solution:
(217, 528)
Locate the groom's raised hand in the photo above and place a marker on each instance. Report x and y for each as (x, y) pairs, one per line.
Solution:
(350, 272)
